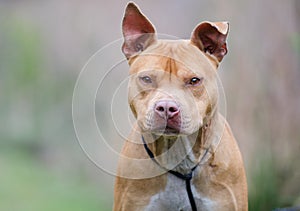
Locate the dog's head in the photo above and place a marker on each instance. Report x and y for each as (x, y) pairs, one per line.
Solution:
(173, 84)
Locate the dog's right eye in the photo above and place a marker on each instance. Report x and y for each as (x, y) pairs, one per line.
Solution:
(146, 79)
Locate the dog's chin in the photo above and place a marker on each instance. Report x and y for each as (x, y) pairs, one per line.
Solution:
(167, 131)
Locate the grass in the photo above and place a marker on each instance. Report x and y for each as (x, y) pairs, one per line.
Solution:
(32, 100)
(26, 185)
(263, 193)
(265, 186)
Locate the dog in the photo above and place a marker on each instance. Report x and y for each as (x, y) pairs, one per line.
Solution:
(181, 153)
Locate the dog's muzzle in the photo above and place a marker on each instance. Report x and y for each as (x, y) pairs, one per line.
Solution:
(167, 117)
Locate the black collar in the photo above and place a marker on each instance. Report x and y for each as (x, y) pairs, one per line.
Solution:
(187, 177)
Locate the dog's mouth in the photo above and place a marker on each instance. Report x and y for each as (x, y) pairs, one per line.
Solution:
(166, 131)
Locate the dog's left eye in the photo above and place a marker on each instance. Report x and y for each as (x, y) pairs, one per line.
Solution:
(195, 81)
(146, 79)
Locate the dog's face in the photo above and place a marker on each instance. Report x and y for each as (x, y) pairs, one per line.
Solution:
(173, 84)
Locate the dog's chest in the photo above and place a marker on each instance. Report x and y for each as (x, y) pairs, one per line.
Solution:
(174, 197)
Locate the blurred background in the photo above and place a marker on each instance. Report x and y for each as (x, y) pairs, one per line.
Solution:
(45, 44)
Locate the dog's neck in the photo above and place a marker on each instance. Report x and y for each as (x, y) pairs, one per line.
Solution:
(177, 153)
(182, 153)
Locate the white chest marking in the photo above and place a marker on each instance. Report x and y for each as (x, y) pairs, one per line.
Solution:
(174, 197)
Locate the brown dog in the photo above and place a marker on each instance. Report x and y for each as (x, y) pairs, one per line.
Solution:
(181, 154)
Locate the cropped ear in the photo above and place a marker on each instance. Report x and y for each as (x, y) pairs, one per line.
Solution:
(210, 37)
(138, 32)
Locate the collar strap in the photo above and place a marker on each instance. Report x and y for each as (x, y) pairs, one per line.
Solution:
(187, 177)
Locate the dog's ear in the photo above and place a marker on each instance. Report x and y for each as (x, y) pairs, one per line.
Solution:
(138, 31)
(210, 37)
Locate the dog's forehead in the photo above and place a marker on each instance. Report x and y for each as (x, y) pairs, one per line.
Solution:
(172, 56)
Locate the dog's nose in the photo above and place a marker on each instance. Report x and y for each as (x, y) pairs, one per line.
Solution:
(167, 109)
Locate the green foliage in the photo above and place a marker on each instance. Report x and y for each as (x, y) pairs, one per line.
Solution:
(26, 185)
(295, 43)
(32, 99)
(265, 185)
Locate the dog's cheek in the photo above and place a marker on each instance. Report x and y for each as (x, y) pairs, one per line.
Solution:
(140, 110)
(198, 92)
(144, 122)
(133, 110)
(201, 111)
(136, 109)
(135, 99)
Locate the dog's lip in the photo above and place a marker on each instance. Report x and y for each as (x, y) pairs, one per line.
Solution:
(166, 130)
